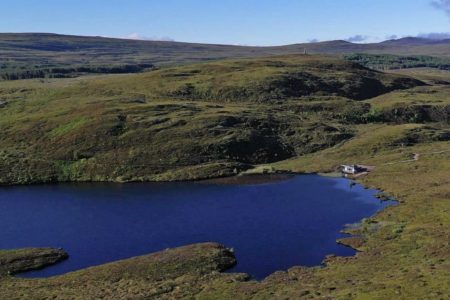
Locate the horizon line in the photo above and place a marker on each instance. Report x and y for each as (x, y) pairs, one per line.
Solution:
(219, 44)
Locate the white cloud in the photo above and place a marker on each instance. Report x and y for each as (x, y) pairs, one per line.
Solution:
(137, 36)
(134, 36)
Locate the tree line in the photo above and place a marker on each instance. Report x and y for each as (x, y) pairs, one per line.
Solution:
(391, 62)
(15, 73)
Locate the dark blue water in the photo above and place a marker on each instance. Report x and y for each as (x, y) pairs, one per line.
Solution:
(271, 226)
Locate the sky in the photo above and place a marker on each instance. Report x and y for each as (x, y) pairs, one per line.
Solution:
(240, 22)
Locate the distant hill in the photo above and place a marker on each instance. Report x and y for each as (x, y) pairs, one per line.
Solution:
(81, 49)
(34, 55)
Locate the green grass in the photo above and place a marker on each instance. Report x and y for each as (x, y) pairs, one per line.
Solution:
(428, 95)
(234, 114)
(66, 128)
(256, 80)
(429, 75)
(144, 127)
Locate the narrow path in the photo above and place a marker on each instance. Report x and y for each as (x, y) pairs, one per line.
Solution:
(416, 157)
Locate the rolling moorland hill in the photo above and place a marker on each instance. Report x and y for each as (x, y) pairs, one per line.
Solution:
(263, 80)
(134, 127)
(35, 55)
(189, 122)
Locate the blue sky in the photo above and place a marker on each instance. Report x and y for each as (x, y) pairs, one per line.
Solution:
(247, 22)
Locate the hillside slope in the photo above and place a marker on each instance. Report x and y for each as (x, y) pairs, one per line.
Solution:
(198, 121)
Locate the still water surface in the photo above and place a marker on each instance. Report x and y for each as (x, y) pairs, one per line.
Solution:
(271, 226)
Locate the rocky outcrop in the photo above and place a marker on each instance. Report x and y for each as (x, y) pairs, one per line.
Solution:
(22, 260)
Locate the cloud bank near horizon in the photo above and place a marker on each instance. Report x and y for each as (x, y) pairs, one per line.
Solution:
(359, 38)
(137, 36)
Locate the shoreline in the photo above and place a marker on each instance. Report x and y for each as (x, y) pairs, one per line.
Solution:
(257, 179)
